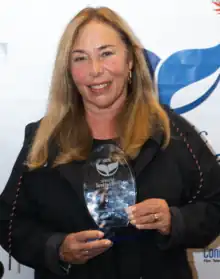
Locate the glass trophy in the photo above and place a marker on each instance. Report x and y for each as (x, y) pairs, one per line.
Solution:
(109, 187)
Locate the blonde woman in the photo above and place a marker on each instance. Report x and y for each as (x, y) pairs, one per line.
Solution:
(101, 92)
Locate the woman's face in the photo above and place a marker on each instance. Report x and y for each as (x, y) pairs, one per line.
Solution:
(100, 66)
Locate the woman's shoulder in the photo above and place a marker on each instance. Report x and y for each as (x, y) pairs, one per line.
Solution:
(178, 121)
(30, 130)
(188, 135)
(181, 126)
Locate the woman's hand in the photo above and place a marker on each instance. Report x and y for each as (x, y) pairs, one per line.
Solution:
(151, 214)
(78, 248)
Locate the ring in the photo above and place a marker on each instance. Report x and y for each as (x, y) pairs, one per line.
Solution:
(156, 217)
(86, 252)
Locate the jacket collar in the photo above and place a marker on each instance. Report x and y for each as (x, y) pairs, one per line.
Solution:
(148, 152)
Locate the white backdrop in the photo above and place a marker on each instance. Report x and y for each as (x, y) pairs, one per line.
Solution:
(183, 34)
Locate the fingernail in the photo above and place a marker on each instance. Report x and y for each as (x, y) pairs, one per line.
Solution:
(130, 216)
(107, 242)
(133, 222)
(130, 211)
(139, 226)
(101, 234)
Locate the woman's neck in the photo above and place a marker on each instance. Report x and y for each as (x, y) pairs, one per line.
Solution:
(102, 122)
(102, 125)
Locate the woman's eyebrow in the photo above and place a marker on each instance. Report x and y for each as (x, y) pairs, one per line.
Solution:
(99, 48)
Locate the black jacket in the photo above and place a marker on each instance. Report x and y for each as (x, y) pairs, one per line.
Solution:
(50, 205)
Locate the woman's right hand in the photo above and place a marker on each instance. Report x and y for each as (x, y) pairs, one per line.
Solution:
(78, 248)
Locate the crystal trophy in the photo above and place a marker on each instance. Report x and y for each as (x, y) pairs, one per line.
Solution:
(109, 187)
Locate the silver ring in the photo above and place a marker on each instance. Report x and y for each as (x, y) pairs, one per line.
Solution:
(156, 217)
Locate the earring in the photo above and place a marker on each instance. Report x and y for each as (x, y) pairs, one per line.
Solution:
(130, 77)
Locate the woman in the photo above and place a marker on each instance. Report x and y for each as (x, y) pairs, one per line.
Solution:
(101, 92)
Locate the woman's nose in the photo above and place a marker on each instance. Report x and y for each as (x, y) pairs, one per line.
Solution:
(96, 67)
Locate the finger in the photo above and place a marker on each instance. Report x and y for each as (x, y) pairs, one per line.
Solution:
(150, 218)
(150, 226)
(88, 235)
(78, 257)
(146, 207)
(89, 254)
(96, 244)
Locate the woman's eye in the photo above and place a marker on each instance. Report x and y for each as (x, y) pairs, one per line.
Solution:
(78, 59)
(107, 53)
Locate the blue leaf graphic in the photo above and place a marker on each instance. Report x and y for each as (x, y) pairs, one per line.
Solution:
(152, 61)
(196, 103)
(186, 67)
(152, 58)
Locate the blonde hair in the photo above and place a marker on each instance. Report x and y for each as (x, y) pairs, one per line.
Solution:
(64, 122)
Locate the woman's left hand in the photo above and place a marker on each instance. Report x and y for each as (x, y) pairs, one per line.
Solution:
(151, 214)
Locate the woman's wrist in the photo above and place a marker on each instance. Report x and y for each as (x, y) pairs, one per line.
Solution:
(64, 265)
(61, 254)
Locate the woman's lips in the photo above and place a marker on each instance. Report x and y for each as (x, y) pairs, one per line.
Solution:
(101, 87)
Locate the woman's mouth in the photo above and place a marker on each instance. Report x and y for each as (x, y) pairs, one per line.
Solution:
(101, 87)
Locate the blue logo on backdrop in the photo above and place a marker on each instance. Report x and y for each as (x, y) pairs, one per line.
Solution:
(211, 255)
(181, 69)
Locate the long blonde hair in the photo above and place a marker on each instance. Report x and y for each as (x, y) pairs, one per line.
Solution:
(64, 122)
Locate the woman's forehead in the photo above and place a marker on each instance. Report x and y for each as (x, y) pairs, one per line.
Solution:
(96, 35)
